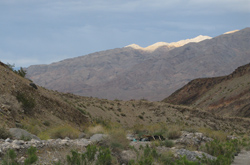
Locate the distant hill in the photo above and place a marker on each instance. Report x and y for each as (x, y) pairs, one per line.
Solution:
(227, 95)
(151, 73)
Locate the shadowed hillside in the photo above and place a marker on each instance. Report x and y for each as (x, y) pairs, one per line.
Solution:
(227, 95)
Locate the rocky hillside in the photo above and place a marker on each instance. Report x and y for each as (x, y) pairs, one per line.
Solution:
(227, 95)
(22, 102)
(133, 72)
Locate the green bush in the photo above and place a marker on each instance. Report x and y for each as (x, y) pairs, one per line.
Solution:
(9, 158)
(21, 72)
(224, 151)
(183, 161)
(148, 157)
(75, 159)
(32, 157)
(91, 151)
(104, 156)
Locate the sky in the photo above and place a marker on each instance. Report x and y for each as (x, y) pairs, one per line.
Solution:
(46, 31)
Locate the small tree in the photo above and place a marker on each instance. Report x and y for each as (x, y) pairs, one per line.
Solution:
(21, 72)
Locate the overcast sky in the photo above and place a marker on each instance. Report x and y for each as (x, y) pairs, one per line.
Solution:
(46, 31)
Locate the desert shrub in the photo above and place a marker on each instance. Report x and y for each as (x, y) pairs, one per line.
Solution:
(174, 134)
(90, 153)
(105, 123)
(32, 128)
(44, 135)
(32, 157)
(9, 158)
(222, 136)
(224, 151)
(184, 161)
(21, 72)
(167, 158)
(63, 131)
(167, 143)
(28, 103)
(82, 111)
(117, 139)
(95, 129)
(4, 133)
(46, 123)
(141, 117)
(147, 157)
(75, 159)
(104, 157)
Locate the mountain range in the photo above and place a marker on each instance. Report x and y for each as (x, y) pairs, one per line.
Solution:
(152, 73)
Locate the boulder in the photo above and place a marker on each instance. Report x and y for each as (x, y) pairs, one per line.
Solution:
(19, 133)
(98, 137)
(188, 138)
(82, 135)
(192, 155)
(33, 85)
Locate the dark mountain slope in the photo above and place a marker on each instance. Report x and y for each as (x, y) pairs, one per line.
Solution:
(128, 73)
(227, 95)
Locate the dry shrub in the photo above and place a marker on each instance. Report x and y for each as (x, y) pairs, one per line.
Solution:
(174, 132)
(117, 139)
(222, 136)
(157, 129)
(95, 129)
(4, 133)
(60, 132)
(44, 135)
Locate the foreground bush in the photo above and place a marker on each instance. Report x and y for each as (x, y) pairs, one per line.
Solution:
(224, 151)
(103, 157)
(10, 157)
